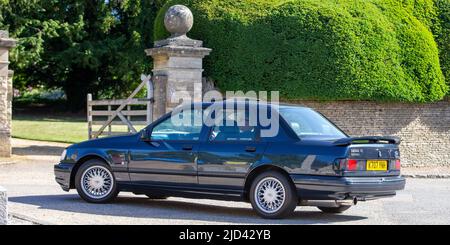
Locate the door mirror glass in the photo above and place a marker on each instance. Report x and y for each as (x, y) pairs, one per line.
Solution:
(144, 135)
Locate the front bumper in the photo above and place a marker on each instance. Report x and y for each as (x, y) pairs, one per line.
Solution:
(310, 187)
(62, 175)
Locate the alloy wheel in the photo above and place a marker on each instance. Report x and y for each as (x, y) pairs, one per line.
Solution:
(270, 195)
(97, 182)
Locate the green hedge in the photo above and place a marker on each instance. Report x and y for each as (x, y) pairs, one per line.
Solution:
(443, 36)
(435, 14)
(323, 50)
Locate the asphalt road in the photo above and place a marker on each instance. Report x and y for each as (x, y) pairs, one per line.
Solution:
(35, 195)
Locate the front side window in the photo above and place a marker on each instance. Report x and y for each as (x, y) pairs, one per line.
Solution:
(234, 127)
(181, 126)
(307, 123)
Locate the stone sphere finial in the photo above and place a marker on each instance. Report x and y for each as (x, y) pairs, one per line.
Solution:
(178, 20)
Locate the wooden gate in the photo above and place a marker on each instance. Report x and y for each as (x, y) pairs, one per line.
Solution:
(120, 117)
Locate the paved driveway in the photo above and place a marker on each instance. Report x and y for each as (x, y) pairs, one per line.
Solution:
(35, 195)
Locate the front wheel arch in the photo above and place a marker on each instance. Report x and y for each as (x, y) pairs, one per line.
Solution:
(79, 163)
(258, 170)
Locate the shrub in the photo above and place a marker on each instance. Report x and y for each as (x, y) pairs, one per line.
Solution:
(436, 15)
(38, 96)
(321, 50)
(443, 36)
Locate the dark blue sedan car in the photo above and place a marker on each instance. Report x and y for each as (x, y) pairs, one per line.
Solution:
(305, 161)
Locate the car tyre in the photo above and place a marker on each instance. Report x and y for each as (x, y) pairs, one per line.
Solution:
(273, 195)
(334, 210)
(95, 182)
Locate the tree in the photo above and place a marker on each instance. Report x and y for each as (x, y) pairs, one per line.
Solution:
(93, 46)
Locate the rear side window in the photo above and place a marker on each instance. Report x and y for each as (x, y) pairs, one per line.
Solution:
(234, 127)
(307, 123)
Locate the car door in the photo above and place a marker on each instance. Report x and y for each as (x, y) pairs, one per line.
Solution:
(170, 155)
(224, 160)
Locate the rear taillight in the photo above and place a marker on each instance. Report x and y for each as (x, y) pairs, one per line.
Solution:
(351, 164)
(398, 165)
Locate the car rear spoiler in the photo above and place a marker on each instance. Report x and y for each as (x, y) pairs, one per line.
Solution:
(368, 139)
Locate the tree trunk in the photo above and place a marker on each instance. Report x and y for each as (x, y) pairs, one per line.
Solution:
(77, 87)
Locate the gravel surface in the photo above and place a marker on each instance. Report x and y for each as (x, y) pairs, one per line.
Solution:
(34, 194)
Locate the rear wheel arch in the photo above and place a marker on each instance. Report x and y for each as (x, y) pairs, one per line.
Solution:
(80, 162)
(258, 170)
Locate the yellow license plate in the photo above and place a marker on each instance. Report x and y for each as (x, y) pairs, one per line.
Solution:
(376, 165)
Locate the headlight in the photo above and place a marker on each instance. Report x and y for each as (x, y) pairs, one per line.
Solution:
(63, 155)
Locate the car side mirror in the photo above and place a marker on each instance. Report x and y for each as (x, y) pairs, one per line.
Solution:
(145, 135)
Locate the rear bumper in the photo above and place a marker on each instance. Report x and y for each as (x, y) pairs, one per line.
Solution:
(62, 175)
(311, 187)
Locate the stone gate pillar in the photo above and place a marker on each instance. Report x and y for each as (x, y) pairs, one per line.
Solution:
(177, 62)
(6, 44)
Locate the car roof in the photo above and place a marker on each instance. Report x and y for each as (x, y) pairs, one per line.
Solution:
(249, 102)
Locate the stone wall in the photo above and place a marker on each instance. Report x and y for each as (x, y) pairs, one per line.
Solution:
(5, 115)
(423, 128)
(3, 207)
(6, 44)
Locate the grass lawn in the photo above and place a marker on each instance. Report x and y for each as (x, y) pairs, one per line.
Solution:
(54, 128)
(64, 129)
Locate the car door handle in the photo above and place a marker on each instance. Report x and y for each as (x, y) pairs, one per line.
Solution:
(187, 148)
(250, 149)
